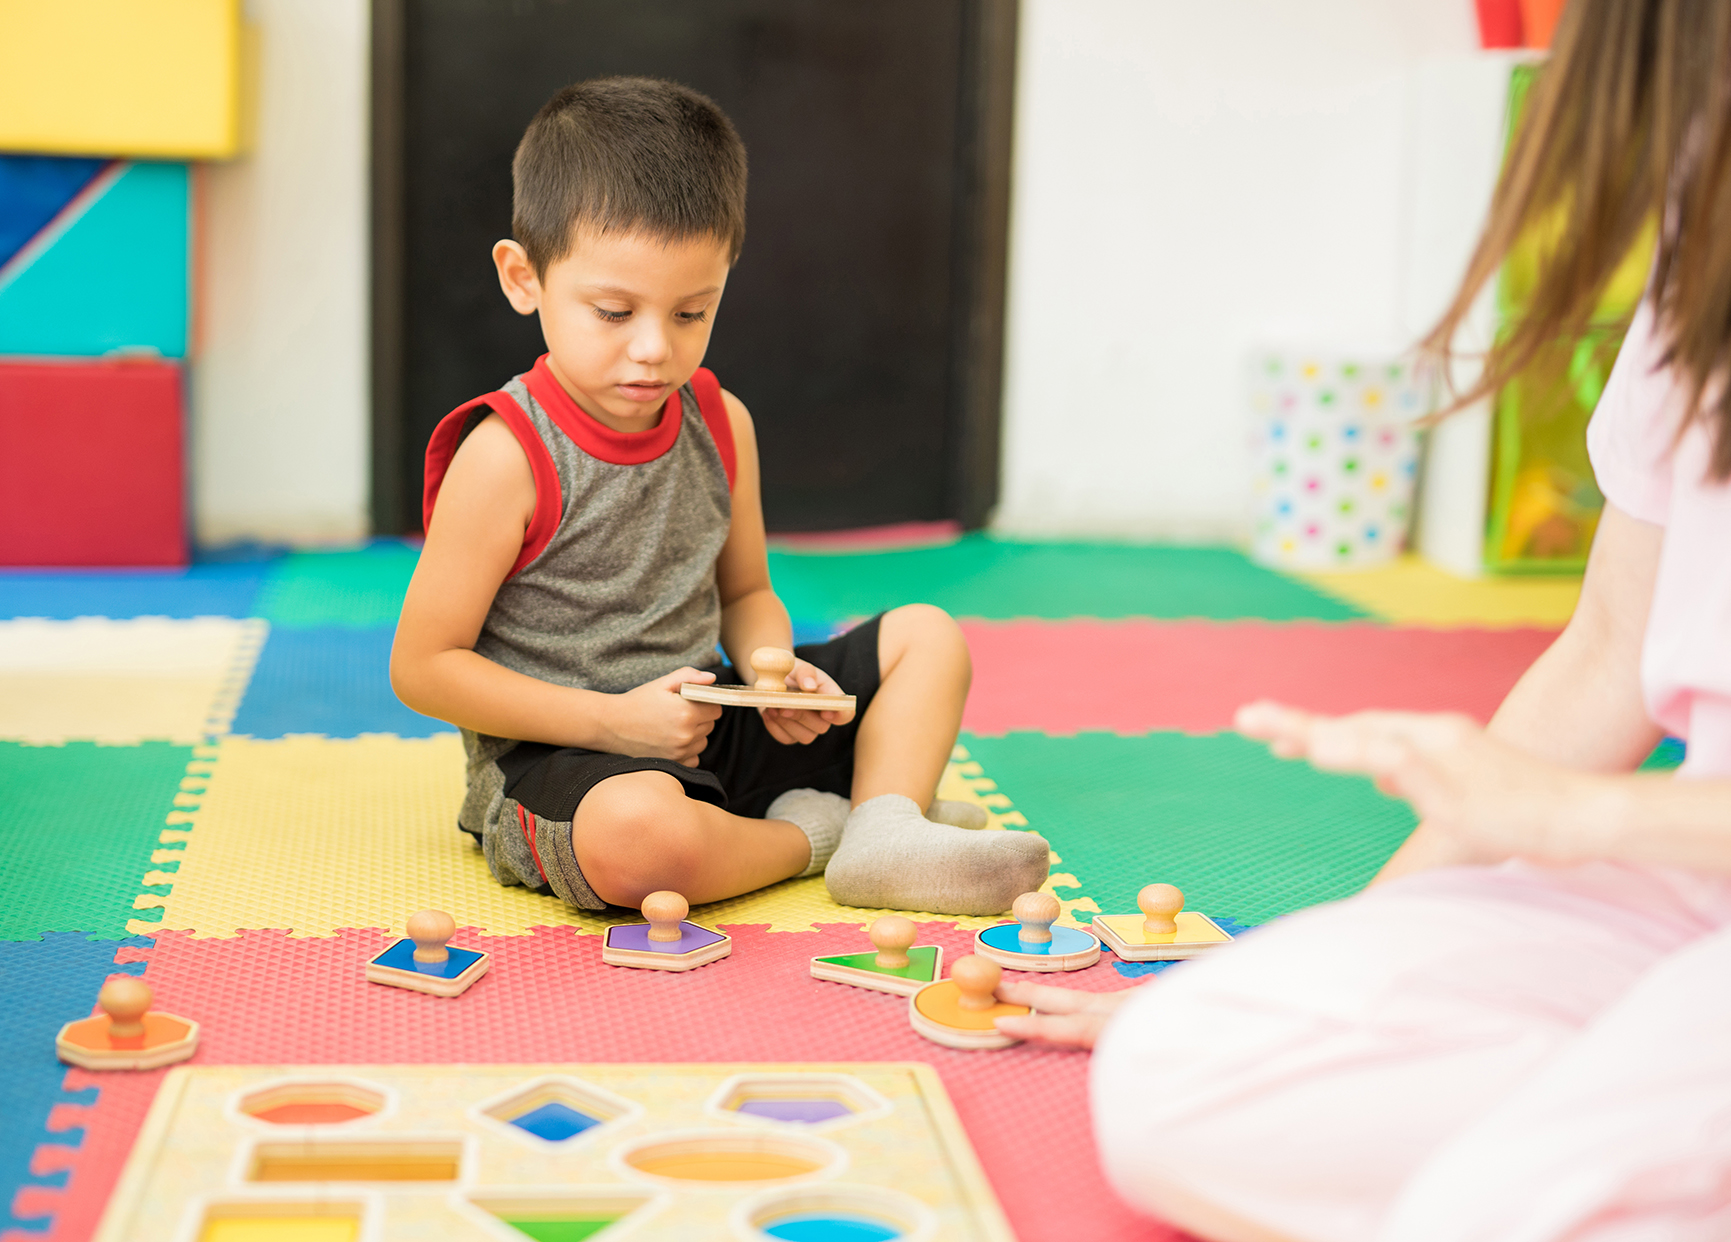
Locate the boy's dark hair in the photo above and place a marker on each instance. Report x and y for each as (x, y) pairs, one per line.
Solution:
(627, 155)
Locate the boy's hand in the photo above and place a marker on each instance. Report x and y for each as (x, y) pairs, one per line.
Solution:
(654, 722)
(1064, 1017)
(796, 726)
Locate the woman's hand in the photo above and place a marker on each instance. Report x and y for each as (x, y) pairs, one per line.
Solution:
(1488, 799)
(794, 726)
(1066, 1018)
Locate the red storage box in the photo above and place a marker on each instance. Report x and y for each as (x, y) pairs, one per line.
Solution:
(92, 463)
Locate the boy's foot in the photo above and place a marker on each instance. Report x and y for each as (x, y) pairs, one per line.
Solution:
(969, 815)
(893, 858)
(819, 815)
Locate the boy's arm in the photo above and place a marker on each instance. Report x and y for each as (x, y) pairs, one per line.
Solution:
(752, 615)
(475, 536)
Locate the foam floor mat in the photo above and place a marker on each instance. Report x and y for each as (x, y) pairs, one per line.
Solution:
(81, 825)
(267, 998)
(331, 680)
(312, 834)
(98, 679)
(1243, 834)
(357, 587)
(47, 982)
(1412, 591)
(224, 590)
(979, 576)
(1138, 676)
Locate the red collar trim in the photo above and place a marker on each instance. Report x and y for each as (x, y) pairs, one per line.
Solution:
(622, 448)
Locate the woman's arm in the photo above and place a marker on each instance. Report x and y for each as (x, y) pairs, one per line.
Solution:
(1579, 706)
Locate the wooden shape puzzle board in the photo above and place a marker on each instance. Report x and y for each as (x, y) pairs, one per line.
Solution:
(520, 1152)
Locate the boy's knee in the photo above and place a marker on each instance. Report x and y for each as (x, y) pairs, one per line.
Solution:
(928, 630)
(636, 834)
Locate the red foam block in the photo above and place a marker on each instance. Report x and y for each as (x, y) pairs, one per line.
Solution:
(1138, 676)
(92, 465)
(265, 998)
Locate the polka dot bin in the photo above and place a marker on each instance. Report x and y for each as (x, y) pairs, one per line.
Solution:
(1335, 451)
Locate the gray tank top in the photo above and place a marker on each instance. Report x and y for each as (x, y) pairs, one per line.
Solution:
(616, 585)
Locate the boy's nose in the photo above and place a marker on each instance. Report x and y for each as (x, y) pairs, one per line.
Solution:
(648, 346)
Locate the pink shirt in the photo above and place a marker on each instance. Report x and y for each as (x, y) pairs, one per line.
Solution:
(1648, 472)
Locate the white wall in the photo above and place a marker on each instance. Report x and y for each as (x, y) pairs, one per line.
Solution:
(280, 401)
(1190, 179)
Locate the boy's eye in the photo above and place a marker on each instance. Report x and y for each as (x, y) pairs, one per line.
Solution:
(693, 316)
(612, 316)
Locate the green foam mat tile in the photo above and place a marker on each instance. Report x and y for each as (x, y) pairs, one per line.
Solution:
(79, 825)
(1244, 834)
(356, 588)
(979, 576)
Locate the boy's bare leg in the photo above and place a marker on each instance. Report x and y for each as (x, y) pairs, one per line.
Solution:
(638, 833)
(906, 737)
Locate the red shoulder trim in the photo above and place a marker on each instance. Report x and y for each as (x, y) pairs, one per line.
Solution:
(714, 410)
(549, 504)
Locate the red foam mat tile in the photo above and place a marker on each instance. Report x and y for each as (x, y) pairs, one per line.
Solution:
(265, 998)
(1141, 676)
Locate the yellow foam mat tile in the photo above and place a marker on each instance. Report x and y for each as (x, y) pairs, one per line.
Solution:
(1412, 591)
(123, 681)
(313, 834)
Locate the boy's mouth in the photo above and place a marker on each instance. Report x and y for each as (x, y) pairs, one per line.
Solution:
(643, 391)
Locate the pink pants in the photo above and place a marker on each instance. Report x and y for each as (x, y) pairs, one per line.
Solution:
(1508, 1054)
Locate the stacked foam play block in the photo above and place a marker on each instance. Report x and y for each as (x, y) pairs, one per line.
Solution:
(96, 267)
(152, 79)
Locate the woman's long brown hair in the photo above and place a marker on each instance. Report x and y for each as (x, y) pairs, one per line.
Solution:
(1629, 123)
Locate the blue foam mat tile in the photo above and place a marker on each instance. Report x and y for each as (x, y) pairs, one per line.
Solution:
(47, 983)
(1135, 970)
(334, 680)
(215, 590)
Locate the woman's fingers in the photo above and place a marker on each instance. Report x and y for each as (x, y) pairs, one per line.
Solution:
(1071, 1030)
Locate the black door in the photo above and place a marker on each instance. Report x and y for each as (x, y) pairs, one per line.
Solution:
(863, 325)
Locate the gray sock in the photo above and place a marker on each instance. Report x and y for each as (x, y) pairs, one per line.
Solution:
(893, 858)
(819, 815)
(969, 815)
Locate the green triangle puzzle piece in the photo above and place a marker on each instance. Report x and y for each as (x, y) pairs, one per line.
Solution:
(922, 963)
(570, 1229)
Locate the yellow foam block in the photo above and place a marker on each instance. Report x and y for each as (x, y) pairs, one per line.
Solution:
(154, 79)
(123, 682)
(313, 834)
(1412, 591)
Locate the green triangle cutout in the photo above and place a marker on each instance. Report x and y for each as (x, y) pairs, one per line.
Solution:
(562, 1229)
(922, 963)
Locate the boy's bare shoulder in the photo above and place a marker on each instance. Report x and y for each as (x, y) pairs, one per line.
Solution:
(490, 471)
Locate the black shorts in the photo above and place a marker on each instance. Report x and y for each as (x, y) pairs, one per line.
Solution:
(742, 769)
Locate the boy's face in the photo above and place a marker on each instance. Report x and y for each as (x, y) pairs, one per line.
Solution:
(626, 317)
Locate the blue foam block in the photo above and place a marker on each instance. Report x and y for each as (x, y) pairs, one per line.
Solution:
(33, 190)
(223, 590)
(49, 982)
(334, 681)
(116, 278)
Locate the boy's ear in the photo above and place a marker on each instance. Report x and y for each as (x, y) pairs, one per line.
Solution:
(517, 277)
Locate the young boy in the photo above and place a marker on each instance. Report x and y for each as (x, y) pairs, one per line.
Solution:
(594, 530)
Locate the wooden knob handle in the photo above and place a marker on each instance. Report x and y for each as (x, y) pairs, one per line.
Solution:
(1036, 912)
(976, 978)
(773, 666)
(430, 929)
(125, 1000)
(665, 912)
(893, 935)
(1160, 904)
